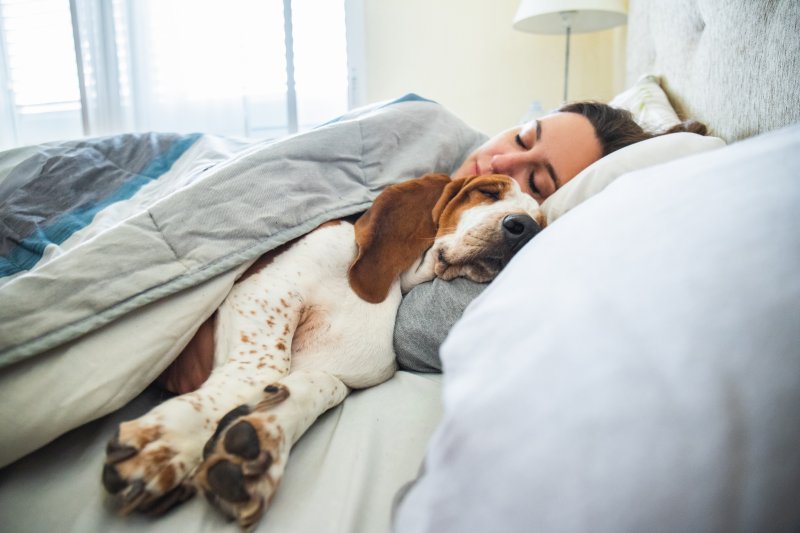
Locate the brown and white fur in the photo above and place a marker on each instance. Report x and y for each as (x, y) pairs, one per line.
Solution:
(309, 323)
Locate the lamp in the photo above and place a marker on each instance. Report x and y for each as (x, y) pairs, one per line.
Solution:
(578, 16)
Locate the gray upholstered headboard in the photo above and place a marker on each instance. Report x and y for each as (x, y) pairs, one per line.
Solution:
(732, 64)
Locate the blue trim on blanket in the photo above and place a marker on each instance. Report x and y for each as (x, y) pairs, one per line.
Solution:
(30, 250)
(410, 97)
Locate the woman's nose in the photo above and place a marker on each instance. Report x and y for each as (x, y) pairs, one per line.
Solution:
(508, 164)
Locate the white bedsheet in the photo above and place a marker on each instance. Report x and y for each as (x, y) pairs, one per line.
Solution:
(342, 475)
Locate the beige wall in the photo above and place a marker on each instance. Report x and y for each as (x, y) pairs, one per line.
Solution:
(465, 55)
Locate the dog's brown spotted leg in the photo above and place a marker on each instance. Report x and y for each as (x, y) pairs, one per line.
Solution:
(245, 460)
(151, 460)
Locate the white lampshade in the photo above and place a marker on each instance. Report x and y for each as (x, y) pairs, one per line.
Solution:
(544, 16)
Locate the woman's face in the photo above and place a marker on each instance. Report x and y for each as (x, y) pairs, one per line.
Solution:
(541, 155)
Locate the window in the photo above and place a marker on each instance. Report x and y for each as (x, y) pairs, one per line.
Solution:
(41, 93)
(255, 68)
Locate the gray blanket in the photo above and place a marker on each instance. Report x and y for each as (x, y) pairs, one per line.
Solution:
(190, 215)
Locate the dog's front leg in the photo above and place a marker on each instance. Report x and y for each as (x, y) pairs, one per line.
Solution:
(151, 460)
(246, 458)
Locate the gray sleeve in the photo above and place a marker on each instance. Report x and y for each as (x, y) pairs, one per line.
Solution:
(424, 319)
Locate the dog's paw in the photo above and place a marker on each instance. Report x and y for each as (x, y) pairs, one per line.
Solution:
(146, 470)
(245, 459)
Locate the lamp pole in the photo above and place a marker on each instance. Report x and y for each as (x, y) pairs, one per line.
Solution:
(566, 18)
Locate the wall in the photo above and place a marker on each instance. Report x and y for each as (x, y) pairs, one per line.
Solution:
(465, 55)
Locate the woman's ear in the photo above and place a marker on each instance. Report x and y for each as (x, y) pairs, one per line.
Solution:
(393, 233)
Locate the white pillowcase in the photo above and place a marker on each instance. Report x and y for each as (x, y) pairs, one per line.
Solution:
(649, 104)
(643, 154)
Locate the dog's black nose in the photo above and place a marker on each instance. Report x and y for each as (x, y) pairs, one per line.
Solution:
(519, 229)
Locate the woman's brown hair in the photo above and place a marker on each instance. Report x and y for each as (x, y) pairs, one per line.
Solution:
(615, 128)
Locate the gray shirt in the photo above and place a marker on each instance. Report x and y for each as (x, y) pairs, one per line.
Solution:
(424, 319)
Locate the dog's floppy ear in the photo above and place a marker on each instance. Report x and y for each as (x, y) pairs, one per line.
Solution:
(393, 233)
(450, 192)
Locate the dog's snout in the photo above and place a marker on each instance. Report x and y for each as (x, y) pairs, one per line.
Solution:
(519, 229)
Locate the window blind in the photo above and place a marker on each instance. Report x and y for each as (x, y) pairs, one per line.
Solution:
(255, 68)
(41, 91)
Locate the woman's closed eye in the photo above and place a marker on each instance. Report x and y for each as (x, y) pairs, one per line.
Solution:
(546, 185)
(532, 184)
(531, 178)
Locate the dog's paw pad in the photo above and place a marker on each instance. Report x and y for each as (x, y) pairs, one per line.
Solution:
(223, 424)
(226, 480)
(242, 440)
(240, 475)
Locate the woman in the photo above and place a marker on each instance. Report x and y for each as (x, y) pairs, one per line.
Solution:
(541, 155)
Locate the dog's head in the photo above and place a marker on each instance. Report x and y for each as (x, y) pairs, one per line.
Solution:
(469, 227)
(482, 222)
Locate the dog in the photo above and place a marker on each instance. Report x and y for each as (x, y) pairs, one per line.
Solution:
(308, 323)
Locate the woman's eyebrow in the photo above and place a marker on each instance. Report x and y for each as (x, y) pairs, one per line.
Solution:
(547, 165)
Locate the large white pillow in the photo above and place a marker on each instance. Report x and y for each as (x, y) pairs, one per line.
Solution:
(601, 173)
(636, 366)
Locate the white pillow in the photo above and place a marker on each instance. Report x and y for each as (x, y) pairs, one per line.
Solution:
(649, 104)
(636, 366)
(599, 174)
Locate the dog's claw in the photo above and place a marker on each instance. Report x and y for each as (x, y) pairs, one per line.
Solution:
(276, 393)
(161, 505)
(112, 481)
(132, 497)
(116, 452)
(252, 515)
(120, 454)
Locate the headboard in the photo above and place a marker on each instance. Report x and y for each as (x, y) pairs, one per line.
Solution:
(732, 64)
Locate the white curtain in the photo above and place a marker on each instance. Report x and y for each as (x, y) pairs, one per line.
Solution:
(255, 68)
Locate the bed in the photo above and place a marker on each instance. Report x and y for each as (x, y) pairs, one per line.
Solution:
(653, 385)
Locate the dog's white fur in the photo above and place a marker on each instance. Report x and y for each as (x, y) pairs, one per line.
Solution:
(297, 327)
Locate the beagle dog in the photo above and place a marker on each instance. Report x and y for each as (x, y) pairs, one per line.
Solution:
(308, 323)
